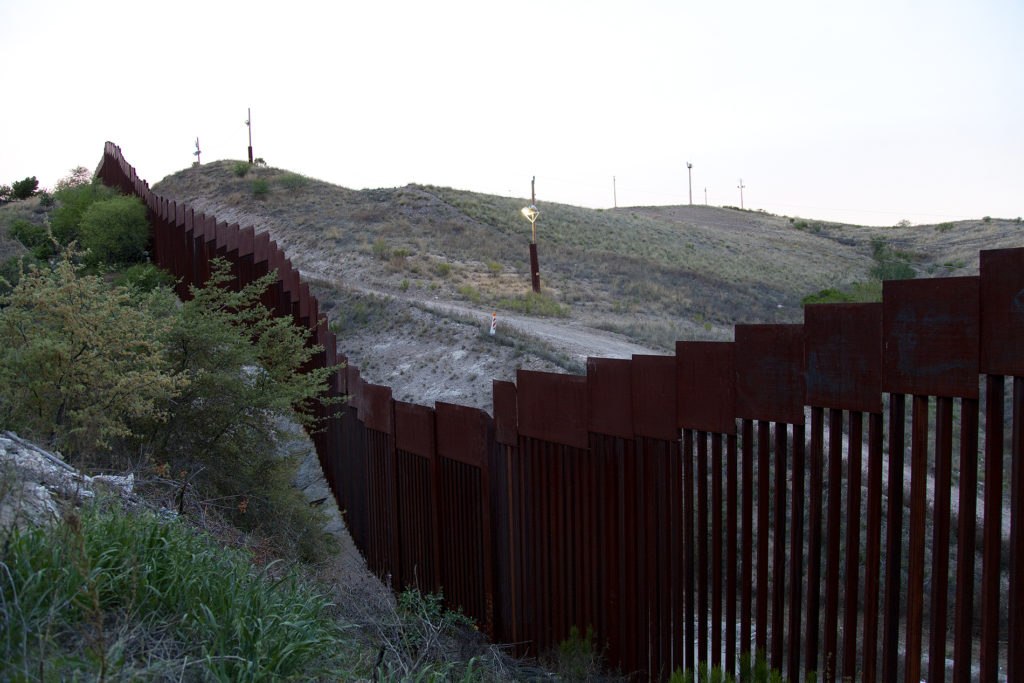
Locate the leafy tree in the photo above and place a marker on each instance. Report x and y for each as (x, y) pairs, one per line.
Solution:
(12, 270)
(78, 176)
(23, 189)
(5, 193)
(35, 238)
(243, 379)
(72, 202)
(115, 231)
(78, 361)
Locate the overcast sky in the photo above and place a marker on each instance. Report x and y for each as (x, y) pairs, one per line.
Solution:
(867, 112)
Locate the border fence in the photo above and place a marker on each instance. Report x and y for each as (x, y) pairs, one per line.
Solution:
(844, 495)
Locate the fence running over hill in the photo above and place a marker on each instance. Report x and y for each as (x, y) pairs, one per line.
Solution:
(681, 505)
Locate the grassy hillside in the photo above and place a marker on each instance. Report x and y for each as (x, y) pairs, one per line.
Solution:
(612, 268)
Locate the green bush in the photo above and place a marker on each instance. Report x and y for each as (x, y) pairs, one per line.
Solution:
(29, 234)
(12, 270)
(293, 182)
(260, 188)
(144, 277)
(240, 169)
(5, 193)
(23, 189)
(79, 363)
(115, 231)
(116, 595)
(443, 269)
(889, 264)
(381, 250)
(72, 202)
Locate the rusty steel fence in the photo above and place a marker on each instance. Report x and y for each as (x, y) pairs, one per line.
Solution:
(844, 495)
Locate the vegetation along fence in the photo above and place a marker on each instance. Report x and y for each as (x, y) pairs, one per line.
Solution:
(775, 493)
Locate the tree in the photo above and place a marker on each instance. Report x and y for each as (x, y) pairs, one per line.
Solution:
(78, 176)
(35, 238)
(79, 361)
(23, 189)
(72, 202)
(115, 231)
(243, 379)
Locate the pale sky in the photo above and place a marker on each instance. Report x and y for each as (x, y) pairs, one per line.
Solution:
(868, 112)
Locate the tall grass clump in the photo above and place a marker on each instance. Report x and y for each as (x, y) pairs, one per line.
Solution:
(111, 593)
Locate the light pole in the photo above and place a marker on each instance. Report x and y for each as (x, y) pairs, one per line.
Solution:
(531, 212)
(741, 186)
(248, 124)
(689, 172)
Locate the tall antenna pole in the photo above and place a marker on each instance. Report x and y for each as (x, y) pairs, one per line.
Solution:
(248, 124)
(689, 172)
(741, 186)
(615, 195)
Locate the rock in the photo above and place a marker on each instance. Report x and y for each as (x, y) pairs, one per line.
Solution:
(35, 484)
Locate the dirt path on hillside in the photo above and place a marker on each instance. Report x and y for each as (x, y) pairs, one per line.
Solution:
(568, 336)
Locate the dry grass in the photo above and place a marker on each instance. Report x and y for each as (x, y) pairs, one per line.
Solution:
(642, 270)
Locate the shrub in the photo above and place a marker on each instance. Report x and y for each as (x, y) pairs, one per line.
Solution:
(115, 231)
(12, 270)
(827, 296)
(29, 234)
(78, 176)
(240, 169)
(494, 267)
(46, 200)
(381, 249)
(293, 182)
(443, 269)
(242, 374)
(23, 189)
(144, 277)
(404, 286)
(986, 219)
(73, 201)
(5, 193)
(889, 265)
(943, 227)
(78, 361)
(260, 188)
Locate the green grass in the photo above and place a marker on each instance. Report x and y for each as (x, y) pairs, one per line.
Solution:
(112, 593)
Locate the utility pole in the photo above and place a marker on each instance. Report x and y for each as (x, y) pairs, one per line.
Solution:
(615, 196)
(741, 186)
(705, 196)
(248, 124)
(689, 172)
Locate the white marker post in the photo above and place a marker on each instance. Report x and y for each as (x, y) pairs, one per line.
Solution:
(494, 323)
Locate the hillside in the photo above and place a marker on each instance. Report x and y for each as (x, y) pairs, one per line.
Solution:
(411, 275)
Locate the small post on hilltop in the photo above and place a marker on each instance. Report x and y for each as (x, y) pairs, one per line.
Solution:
(248, 124)
(741, 186)
(615, 195)
(689, 173)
